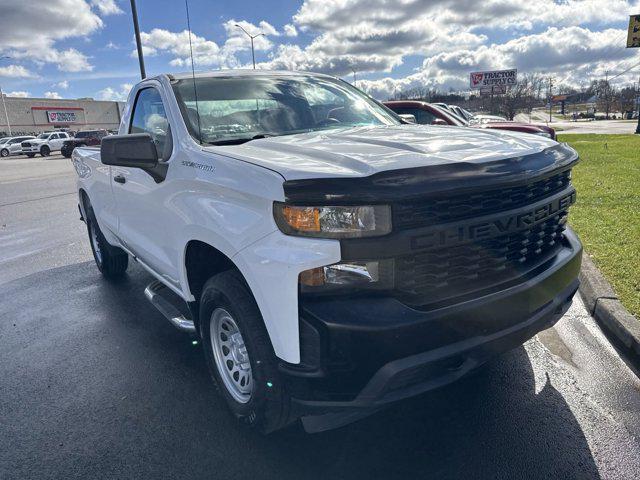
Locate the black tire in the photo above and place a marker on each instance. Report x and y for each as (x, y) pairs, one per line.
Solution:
(30, 155)
(267, 409)
(45, 151)
(4, 152)
(111, 261)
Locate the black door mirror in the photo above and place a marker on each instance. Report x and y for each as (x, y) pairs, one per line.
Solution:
(136, 150)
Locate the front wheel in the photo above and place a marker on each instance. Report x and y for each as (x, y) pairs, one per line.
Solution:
(4, 152)
(239, 353)
(111, 261)
(45, 151)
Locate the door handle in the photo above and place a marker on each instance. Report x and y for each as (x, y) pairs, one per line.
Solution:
(119, 179)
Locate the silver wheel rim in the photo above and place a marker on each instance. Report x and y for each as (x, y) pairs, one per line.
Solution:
(231, 356)
(94, 243)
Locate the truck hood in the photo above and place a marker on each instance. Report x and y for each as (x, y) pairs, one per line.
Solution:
(36, 141)
(365, 151)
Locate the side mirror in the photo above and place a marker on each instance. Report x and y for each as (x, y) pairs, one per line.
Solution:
(136, 150)
(408, 117)
(439, 121)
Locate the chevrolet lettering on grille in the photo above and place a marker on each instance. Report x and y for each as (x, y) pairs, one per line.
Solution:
(508, 222)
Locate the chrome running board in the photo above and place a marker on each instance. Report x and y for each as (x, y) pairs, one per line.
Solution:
(154, 293)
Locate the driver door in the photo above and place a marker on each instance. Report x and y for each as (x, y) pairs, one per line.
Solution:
(143, 217)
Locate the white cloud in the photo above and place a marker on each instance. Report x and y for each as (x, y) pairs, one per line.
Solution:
(52, 95)
(158, 40)
(29, 29)
(290, 30)
(64, 84)
(15, 71)
(119, 94)
(19, 94)
(572, 54)
(107, 7)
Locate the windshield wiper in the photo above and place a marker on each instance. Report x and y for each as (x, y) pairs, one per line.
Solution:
(240, 140)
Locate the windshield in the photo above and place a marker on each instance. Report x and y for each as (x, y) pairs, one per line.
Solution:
(86, 134)
(237, 109)
(3, 140)
(43, 135)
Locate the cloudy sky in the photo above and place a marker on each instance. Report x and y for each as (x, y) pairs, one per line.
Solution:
(85, 48)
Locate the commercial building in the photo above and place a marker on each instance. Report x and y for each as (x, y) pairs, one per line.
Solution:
(37, 115)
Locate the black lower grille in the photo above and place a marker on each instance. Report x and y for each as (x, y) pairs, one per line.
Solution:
(427, 211)
(438, 274)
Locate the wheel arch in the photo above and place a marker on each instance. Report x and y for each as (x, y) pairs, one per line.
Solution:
(201, 261)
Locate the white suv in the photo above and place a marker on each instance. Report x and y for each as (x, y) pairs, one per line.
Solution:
(45, 143)
(11, 145)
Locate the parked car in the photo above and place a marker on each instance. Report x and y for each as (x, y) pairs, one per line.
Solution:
(44, 144)
(461, 112)
(429, 113)
(86, 138)
(11, 145)
(332, 259)
(487, 119)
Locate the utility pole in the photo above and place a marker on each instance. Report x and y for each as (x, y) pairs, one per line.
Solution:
(253, 54)
(136, 29)
(550, 92)
(638, 105)
(4, 105)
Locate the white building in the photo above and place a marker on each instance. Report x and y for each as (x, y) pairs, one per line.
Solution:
(36, 115)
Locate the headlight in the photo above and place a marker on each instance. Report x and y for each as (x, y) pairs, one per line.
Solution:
(369, 275)
(333, 222)
(543, 134)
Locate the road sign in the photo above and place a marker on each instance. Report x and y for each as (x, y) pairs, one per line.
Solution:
(633, 35)
(493, 90)
(493, 78)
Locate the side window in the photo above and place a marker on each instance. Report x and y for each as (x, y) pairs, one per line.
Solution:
(53, 136)
(149, 117)
(423, 117)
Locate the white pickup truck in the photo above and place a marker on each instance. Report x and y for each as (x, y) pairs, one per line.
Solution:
(333, 259)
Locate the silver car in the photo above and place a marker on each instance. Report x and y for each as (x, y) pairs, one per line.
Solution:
(11, 145)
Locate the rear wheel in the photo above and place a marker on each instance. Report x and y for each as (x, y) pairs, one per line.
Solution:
(111, 261)
(4, 152)
(239, 353)
(45, 151)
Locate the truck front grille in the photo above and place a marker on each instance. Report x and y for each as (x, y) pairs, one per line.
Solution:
(444, 272)
(433, 211)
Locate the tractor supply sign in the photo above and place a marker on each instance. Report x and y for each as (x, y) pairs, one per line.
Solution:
(57, 116)
(495, 78)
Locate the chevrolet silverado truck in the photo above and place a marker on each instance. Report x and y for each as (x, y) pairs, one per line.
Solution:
(330, 258)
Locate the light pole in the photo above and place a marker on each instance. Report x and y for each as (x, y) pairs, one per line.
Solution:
(4, 105)
(136, 30)
(638, 107)
(354, 76)
(253, 55)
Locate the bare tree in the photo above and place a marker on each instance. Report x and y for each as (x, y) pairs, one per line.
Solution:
(605, 94)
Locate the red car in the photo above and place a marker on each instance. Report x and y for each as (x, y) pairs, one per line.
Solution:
(429, 114)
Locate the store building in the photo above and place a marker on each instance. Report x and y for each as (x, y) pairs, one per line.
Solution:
(36, 115)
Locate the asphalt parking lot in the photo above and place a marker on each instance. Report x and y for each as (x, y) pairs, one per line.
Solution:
(94, 383)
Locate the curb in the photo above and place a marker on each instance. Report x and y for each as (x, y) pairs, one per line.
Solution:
(603, 305)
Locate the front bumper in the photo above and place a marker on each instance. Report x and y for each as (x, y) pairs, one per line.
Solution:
(363, 353)
(32, 149)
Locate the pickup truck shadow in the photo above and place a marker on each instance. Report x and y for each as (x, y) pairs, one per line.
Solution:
(97, 385)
